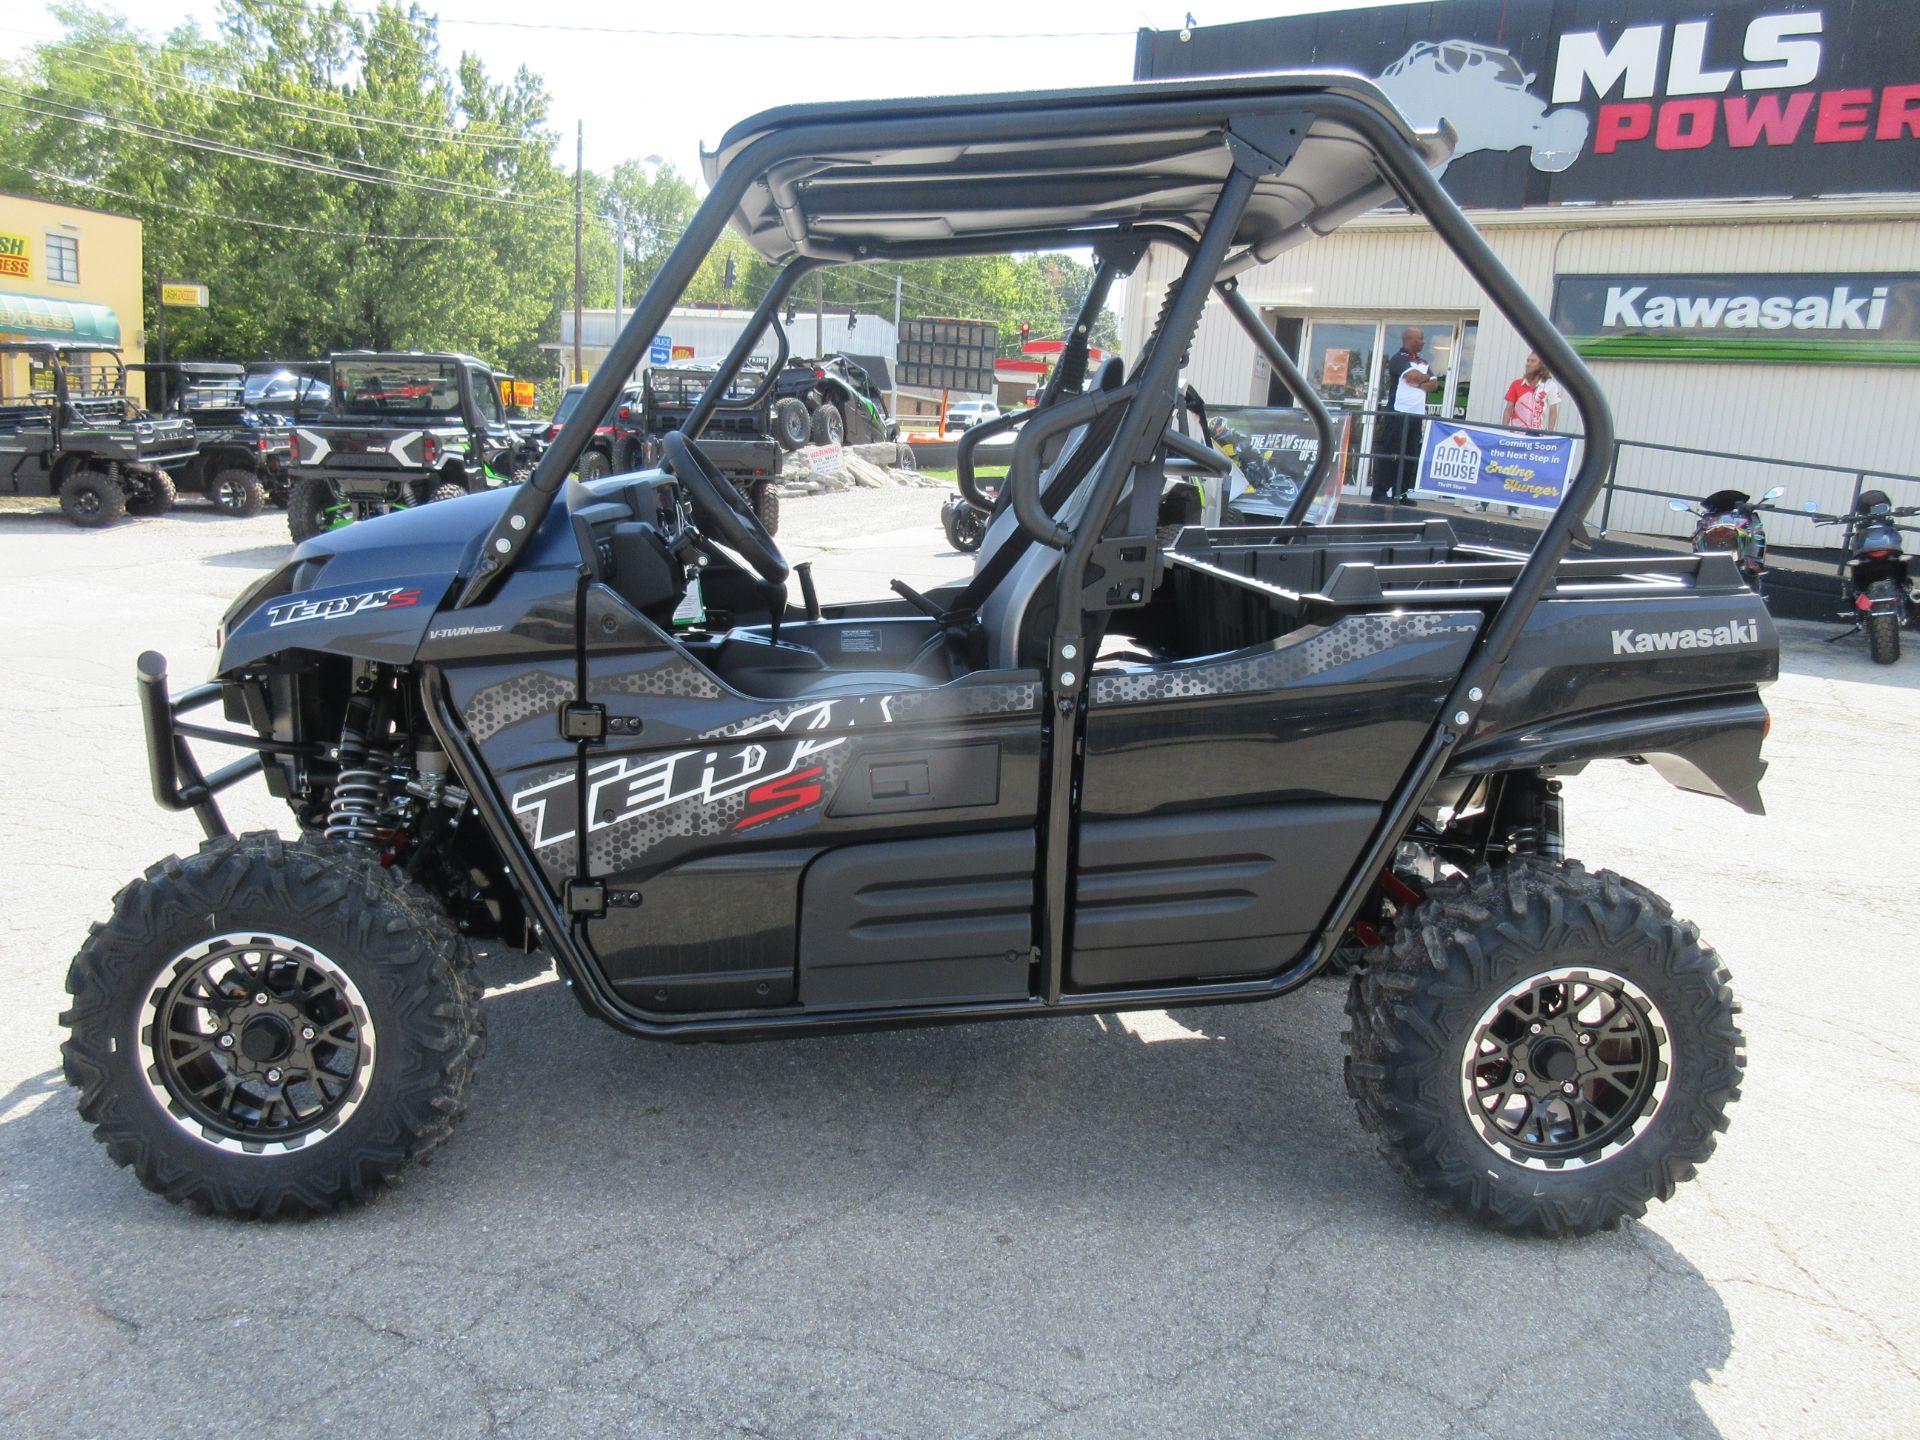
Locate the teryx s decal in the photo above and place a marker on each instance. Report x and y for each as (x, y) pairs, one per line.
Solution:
(294, 612)
(795, 792)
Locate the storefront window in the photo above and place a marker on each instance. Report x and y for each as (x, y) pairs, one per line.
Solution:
(63, 259)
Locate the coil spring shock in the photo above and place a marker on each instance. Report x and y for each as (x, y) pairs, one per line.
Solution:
(1539, 830)
(359, 804)
(360, 792)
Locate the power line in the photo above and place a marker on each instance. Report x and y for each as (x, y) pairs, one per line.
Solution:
(315, 114)
(654, 32)
(143, 131)
(98, 188)
(465, 189)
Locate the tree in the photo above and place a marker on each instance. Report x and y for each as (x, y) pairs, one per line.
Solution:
(329, 177)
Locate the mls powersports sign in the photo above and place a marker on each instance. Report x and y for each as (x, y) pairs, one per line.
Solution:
(1603, 100)
(1852, 317)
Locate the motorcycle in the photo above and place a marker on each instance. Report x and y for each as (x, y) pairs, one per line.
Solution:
(1880, 591)
(965, 522)
(1729, 520)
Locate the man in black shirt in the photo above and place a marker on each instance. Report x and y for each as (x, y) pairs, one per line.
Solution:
(1408, 382)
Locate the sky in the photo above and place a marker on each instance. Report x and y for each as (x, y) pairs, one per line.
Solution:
(641, 95)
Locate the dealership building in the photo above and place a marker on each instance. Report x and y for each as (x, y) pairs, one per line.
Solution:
(1720, 204)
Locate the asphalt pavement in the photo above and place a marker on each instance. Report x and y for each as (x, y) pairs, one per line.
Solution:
(1161, 1224)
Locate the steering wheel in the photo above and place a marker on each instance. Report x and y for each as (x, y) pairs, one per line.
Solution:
(722, 509)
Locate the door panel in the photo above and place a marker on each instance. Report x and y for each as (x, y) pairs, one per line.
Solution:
(695, 780)
(1176, 897)
(916, 922)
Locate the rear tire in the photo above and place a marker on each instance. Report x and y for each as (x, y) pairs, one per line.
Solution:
(156, 498)
(765, 497)
(792, 425)
(1883, 627)
(594, 465)
(237, 492)
(1623, 1017)
(826, 427)
(301, 959)
(91, 498)
(964, 530)
(311, 507)
(629, 456)
(446, 490)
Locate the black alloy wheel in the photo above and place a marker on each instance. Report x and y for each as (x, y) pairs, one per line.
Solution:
(256, 1042)
(1566, 1068)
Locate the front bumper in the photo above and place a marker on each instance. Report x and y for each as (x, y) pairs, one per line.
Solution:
(179, 783)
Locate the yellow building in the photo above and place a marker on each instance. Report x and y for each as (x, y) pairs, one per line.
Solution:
(69, 273)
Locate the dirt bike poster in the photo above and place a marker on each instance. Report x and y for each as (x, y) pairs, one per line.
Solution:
(1273, 450)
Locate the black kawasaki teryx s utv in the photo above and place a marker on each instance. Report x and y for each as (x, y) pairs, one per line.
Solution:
(240, 452)
(1103, 774)
(69, 430)
(402, 428)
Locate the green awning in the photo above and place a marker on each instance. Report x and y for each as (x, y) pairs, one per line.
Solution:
(42, 319)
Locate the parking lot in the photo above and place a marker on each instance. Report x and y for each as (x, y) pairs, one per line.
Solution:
(1150, 1225)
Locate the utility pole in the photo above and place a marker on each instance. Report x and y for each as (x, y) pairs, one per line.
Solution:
(619, 271)
(819, 313)
(893, 395)
(579, 244)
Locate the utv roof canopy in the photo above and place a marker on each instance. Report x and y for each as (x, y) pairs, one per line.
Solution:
(935, 173)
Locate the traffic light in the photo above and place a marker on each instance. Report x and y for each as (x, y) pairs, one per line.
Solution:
(733, 273)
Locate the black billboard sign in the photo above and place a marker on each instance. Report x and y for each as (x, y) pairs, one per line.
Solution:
(1586, 101)
(1848, 318)
(949, 355)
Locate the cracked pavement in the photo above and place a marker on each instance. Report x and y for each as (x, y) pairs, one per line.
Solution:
(1167, 1225)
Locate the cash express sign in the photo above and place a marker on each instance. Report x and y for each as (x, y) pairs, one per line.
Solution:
(1585, 101)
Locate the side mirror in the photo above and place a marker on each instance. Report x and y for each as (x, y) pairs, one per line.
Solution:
(1679, 505)
(1775, 493)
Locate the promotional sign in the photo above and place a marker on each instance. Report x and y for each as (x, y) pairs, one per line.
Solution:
(1273, 451)
(949, 355)
(661, 352)
(1469, 462)
(183, 293)
(16, 257)
(1832, 317)
(1605, 100)
(1333, 370)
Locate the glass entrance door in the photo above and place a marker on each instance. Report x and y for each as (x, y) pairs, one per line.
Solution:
(1341, 360)
(1345, 361)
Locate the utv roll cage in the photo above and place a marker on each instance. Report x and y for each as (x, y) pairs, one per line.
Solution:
(1231, 173)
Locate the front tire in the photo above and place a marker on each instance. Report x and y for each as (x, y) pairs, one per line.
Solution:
(271, 1028)
(594, 465)
(1883, 625)
(765, 499)
(826, 427)
(91, 497)
(1544, 1049)
(236, 491)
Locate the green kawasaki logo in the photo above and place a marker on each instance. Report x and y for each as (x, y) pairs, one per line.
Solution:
(1860, 319)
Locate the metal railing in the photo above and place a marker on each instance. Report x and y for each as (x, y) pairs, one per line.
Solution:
(1860, 477)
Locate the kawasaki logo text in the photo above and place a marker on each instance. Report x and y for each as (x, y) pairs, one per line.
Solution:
(1707, 637)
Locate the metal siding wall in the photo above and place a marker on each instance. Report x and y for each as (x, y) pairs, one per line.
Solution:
(1852, 415)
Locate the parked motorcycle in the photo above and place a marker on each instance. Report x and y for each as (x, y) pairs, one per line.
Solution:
(1880, 591)
(1729, 520)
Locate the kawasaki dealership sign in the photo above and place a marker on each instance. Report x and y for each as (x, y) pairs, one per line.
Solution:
(1848, 317)
(1581, 101)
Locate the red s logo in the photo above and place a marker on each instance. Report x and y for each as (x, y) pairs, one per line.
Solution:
(788, 793)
